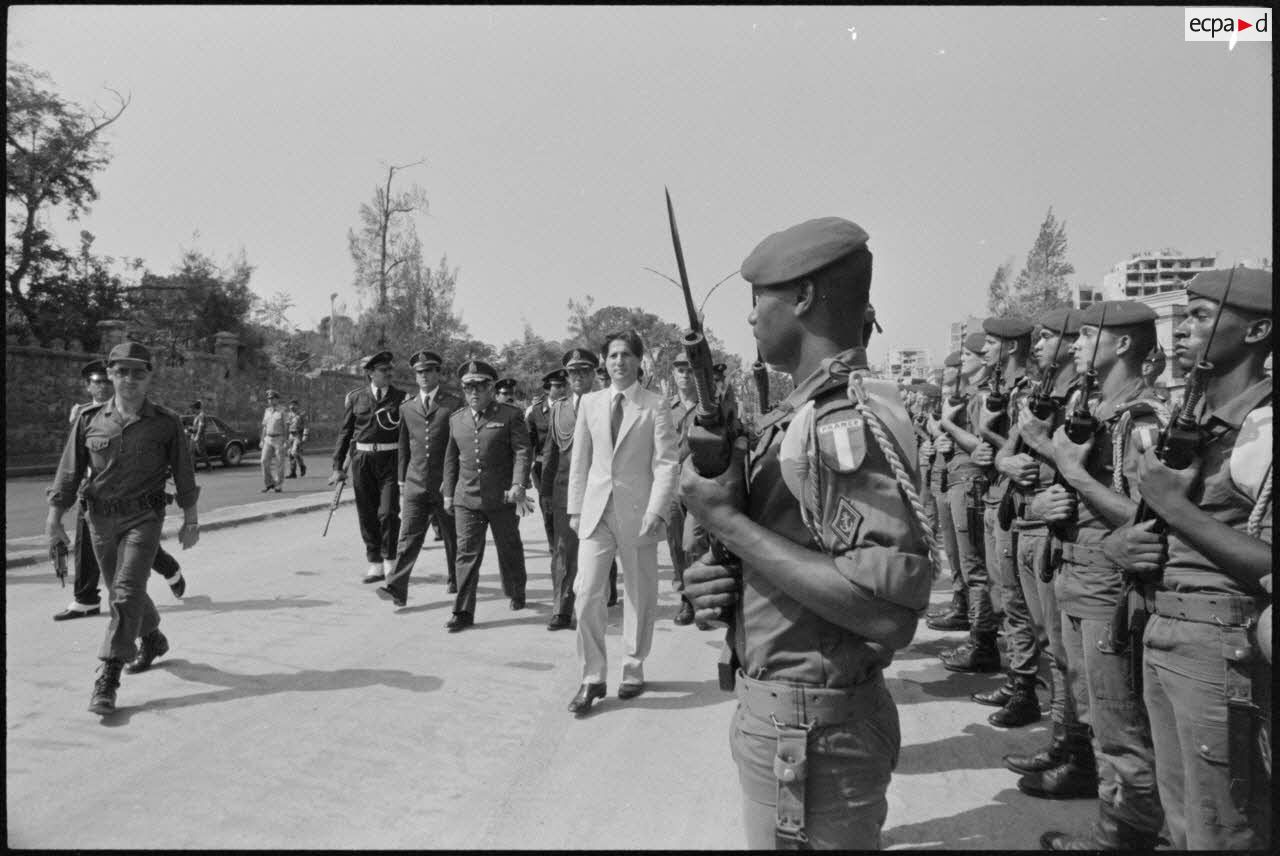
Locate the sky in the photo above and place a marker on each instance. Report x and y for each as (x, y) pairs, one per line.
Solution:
(548, 135)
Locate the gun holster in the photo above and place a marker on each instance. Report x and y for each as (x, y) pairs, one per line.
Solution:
(1005, 512)
(1243, 714)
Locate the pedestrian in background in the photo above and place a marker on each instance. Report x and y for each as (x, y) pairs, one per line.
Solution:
(197, 432)
(272, 442)
(297, 427)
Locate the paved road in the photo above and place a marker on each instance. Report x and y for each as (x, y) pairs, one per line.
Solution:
(296, 710)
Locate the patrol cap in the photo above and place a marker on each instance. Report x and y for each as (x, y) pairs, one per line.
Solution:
(928, 390)
(271, 393)
(801, 250)
(1118, 313)
(557, 376)
(975, 341)
(1007, 328)
(425, 360)
(1250, 288)
(681, 359)
(474, 370)
(374, 360)
(93, 367)
(953, 359)
(130, 352)
(580, 358)
(507, 384)
(1061, 319)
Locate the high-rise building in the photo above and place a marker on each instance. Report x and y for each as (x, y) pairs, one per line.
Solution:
(960, 329)
(907, 363)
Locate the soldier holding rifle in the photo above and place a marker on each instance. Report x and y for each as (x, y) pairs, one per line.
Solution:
(1206, 680)
(834, 563)
(937, 452)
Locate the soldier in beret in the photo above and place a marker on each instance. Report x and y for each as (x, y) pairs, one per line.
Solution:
(1207, 679)
(1115, 336)
(371, 433)
(275, 428)
(486, 465)
(832, 581)
(938, 452)
(133, 447)
(1066, 767)
(423, 438)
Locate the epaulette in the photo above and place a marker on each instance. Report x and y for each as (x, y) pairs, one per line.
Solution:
(346, 402)
(89, 409)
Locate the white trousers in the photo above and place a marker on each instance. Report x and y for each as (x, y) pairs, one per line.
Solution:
(638, 566)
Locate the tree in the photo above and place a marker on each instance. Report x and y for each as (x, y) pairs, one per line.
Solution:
(386, 239)
(52, 150)
(1042, 282)
(998, 288)
(529, 358)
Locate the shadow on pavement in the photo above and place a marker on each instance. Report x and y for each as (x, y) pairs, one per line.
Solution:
(998, 826)
(949, 685)
(689, 694)
(976, 747)
(236, 686)
(932, 648)
(204, 602)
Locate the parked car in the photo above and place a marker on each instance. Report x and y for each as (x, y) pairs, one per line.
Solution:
(223, 442)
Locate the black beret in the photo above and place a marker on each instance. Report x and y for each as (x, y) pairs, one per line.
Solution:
(557, 376)
(425, 360)
(1250, 288)
(476, 370)
(580, 358)
(1007, 328)
(132, 352)
(374, 360)
(93, 367)
(801, 250)
(507, 384)
(953, 359)
(1061, 319)
(975, 342)
(1117, 313)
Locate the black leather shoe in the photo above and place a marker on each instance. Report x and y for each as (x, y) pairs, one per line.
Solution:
(949, 621)
(981, 657)
(452, 587)
(1067, 781)
(683, 617)
(1044, 758)
(627, 691)
(460, 621)
(387, 594)
(103, 700)
(517, 603)
(279, 489)
(959, 605)
(179, 588)
(997, 697)
(374, 578)
(1022, 708)
(154, 644)
(70, 613)
(587, 693)
(559, 622)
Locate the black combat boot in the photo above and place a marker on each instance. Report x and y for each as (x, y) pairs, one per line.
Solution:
(1050, 756)
(1022, 708)
(998, 696)
(1108, 833)
(154, 644)
(103, 701)
(1075, 778)
(302, 468)
(982, 656)
(959, 606)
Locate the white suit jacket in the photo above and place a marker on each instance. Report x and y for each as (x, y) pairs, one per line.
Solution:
(641, 474)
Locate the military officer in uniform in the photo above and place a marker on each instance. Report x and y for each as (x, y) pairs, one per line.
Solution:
(554, 384)
(133, 447)
(579, 370)
(296, 422)
(833, 579)
(937, 453)
(275, 429)
(371, 424)
(1114, 337)
(486, 465)
(1207, 679)
(504, 391)
(424, 436)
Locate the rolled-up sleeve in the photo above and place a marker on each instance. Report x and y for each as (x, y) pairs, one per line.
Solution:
(71, 469)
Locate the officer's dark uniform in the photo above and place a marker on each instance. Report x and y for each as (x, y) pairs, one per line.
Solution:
(538, 420)
(815, 735)
(486, 456)
(1207, 685)
(1088, 588)
(424, 436)
(371, 432)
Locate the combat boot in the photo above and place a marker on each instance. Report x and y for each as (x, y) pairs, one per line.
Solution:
(959, 606)
(103, 701)
(1075, 778)
(1108, 833)
(1022, 708)
(982, 656)
(1050, 756)
(154, 644)
(302, 468)
(999, 696)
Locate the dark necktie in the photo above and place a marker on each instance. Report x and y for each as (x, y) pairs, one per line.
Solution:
(616, 421)
(378, 397)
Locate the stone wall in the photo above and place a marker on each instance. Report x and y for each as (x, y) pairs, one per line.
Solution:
(42, 385)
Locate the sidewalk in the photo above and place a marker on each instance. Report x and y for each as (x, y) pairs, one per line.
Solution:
(19, 552)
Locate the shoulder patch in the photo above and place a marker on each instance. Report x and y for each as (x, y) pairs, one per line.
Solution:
(1251, 456)
(842, 440)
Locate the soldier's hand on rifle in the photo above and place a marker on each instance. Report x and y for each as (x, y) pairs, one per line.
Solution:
(704, 496)
(1055, 505)
(337, 476)
(951, 411)
(1035, 431)
(945, 445)
(1022, 468)
(1156, 481)
(926, 449)
(1136, 549)
(710, 587)
(983, 455)
(987, 418)
(1067, 455)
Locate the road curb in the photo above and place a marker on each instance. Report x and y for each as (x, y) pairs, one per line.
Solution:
(36, 556)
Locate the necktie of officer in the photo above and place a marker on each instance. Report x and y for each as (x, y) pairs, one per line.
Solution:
(378, 396)
(616, 421)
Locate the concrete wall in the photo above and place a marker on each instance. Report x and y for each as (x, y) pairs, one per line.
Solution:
(41, 385)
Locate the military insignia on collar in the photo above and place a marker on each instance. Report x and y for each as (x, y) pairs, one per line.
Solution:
(845, 524)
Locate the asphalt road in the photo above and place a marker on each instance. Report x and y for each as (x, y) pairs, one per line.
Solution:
(296, 710)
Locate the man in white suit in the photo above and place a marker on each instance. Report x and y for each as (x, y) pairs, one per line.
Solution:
(622, 480)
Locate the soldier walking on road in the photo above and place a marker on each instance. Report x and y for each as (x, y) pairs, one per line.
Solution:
(197, 433)
(133, 446)
(275, 423)
(296, 423)
(486, 465)
(371, 424)
(832, 579)
(424, 437)
(85, 597)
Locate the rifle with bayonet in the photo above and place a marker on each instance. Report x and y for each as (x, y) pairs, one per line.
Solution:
(1042, 407)
(710, 437)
